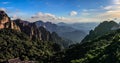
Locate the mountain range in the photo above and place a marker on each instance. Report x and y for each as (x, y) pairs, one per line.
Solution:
(39, 42)
(99, 46)
(102, 29)
(18, 37)
(75, 32)
(32, 30)
(86, 27)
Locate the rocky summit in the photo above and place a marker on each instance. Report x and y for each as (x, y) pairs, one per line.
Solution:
(28, 28)
(5, 22)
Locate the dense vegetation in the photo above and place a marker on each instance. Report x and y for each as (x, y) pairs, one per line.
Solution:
(100, 47)
(101, 29)
(104, 49)
(15, 44)
(64, 43)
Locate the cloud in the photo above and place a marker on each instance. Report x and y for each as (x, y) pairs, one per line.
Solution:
(14, 17)
(5, 2)
(73, 13)
(53, 18)
(50, 17)
(3, 9)
(116, 2)
(112, 11)
(17, 13)
(85, 13)
(108, 7)
(44, 16)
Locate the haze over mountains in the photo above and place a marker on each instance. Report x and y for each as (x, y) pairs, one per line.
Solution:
(75, 32)
(31, 29)
(101, 29)
(101, 45)
(46, 42)
(86, 27)
(59, 31)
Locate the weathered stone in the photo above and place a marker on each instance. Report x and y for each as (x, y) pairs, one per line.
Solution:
(5, 22)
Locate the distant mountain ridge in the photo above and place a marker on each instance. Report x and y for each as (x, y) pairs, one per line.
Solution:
(103, 28)
(32, 30)
(54, 27)
(101, 45)
(67, 32)
(86, 27)
(29, 28)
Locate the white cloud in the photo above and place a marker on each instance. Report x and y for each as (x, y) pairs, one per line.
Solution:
(52, 18)
(5, 2)
(108, 7)
(45, 17)
(111, 11)
(16, 13)
(14, 17)
(3, 9)
(116, 2)
(85, 10)
(85, 14)
(73, 13)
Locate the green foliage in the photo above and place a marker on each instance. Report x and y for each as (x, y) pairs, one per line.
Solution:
(105, 49)
(61, 41)
(102, 29)
(15, 44)
(98, 48)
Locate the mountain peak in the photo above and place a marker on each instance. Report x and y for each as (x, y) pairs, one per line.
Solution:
(101, 29)
(3, 17)
(5, 22)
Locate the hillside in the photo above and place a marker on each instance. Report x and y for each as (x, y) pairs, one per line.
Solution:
(24, 40)
(15, 44)
(66, 32)
(76, 36)
(101, 29)
(86, 27)
(30, 42)
(104, 49)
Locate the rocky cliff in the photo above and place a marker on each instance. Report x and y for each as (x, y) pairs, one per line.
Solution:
(33, 31)
(5, 22)
(28, 28)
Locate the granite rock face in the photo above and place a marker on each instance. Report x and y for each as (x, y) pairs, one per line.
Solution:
(5, 22)
(26, 27)
(33, 31)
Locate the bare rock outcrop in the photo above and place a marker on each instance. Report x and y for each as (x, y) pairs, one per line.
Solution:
(33, 31)
(5, 22)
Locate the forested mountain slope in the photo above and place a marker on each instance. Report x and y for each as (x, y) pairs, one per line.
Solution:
(104, 49)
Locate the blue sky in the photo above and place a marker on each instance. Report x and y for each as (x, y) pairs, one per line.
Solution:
(61, 10)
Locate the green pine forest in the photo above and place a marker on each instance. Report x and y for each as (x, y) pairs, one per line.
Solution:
(96, 47)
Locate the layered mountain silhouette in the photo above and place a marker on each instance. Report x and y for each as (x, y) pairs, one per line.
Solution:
(24, 40)
(29, 28)
(86, 27)
(99, 47)
(102, 29)
(64, 31)
(32, 30)
(40, 42)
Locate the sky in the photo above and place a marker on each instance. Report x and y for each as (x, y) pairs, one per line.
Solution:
(68, 11)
